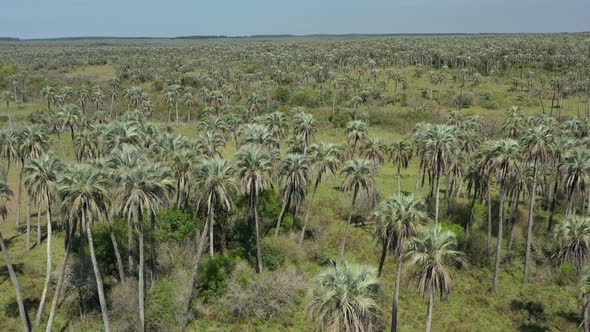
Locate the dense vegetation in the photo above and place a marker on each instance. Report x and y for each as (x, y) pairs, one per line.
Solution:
(336, 184)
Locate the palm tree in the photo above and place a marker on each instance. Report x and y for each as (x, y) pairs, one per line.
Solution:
(400, 154)
(278, 125)
(256, 134)
(209, 143)
(439, 146)
(503, 159)
(573, 240)
(70, 117)
(174, 91)
(182, 162)
(358, 178)
(189, 99)
(344, 297)
(84, 190)
(87, 145)
(114, 90)
(48, 94)
(356, 131)
(538, 146)
(5, 194)
(304, 127)
(325, 160)
(429, 256)
(584, 289)
(397, 220)
(97, 96)
(255, 171)
(575, 167)
(41, 178)
(32, 142)
(217, 187)
(144, 187)
(374, 150)
(294, 175)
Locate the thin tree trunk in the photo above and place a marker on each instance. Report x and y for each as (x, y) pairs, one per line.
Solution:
(141, 281)
(436, 207)
(29, 206)
(343, 245)
(399, 185)
(398, 278)
(177, 117)
(39, 222)
(60, 281)
(211, 221)
(489, 238)
(383, 255)
(429, 312)
(195, 271)
(20, 187)
(99, 285)
(130, 246)
(529, 233)
(282, 214)
(553, 204)
(48, 271)
(498, 243)
(19, 297)
(258, 244)
(153, 247)
(116, 249)
(308, 212)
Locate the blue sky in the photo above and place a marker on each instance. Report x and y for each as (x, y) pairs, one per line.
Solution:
(165, 18)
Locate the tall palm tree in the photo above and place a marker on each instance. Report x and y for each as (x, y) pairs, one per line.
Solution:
(358, 179)
(294, 175)
(48, 94)
(344, 297)
(256, 134)
(439, 146)
(70, 117)
(429, 255)
(255, 170)
(189, 99)
(181, 163)
(278, 125)
(356, 131)
(144, 187)
(538, 146)
(503, 159)
(85, 192)
(400, 154)
(573, 241)
(374, 150)
(397, 220)
(304, 127)
(575, 168)
(584, 290)
(32, 142)
(5, 194)
(41, 177)
(114, 90)
(325, 160)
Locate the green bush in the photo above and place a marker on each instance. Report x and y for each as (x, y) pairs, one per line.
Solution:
(565, 274)
(103, 245)
(161, 304)
(174, 225)
(215, 273)
(273, 255)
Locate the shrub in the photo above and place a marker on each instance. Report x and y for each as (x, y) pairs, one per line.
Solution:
(466, 99)
(174, 225)
(161, 305)
(215, 274)
(273, 255)
(103, 245)
(264, 295)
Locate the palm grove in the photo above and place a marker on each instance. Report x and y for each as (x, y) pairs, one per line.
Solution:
(181, 192)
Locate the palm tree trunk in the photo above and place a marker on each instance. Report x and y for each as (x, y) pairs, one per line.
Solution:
(399, 186)
(19, 297)
(436, 207)
(429, 312)
(99, 285)
(553, 204)
(398, 278)
(191, 285)
(141, 281)
(177, 117)
(39, 222)
(343, 245)
(258, 244)
(20, 187)
(116, 249)
(211, 220)
(112, 102)
(308, 212)
(130, 245)
(29, 206)
(529, 233)
(283, 210)
(383, 255)
(48, 272)
(489, 237)
(60, 281)
(153, 247)
(585, 319)
(499, 242)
